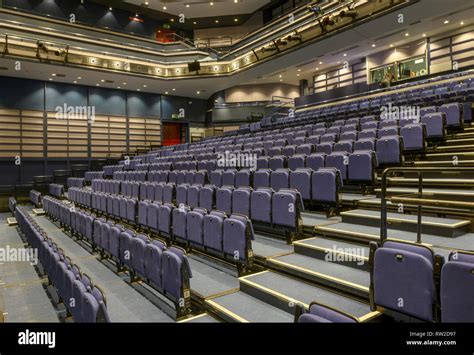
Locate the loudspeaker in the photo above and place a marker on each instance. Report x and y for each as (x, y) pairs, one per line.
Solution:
(194, 66)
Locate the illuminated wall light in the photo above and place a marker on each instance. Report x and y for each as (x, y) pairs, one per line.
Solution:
(446, 22)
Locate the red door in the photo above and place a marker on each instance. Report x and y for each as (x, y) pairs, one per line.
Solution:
(171, 133)
(164, 35)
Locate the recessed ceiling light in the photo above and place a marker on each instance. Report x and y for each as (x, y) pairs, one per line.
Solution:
(75, 82)
(118, 87)
(97, 84)
(174, 89)
(236, 19)
(299, 69)
(373, 45)
(236, 1)
(124, 83)
(338, 62)
(281, 79)
(138, 89)
(446, 22)
(211, 3)
(164, 7)
(110, 8)
(194, 23)
(424, 34)
(103, 80)
(187, 5)
(50, 79)
(166, 92)
(320, 63)
(79, 77)
(172, 20)
(344, 55)
(407, 34)
(53, 74)
(144, 86)
(136, 15)
(297, 75)
(317, 68)
(217, 21)
(462, 23)
(391, 45)
(280, 76)
(198, 92)
(147, 3)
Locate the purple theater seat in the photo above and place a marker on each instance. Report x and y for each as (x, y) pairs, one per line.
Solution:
(389, 150)
(224, 199)
(261, 205)
(214, 230)
(453, 114)
(320, 314)
(362, 166)
(194, 226)
(300, 180)
(414, 136)
(286, 206)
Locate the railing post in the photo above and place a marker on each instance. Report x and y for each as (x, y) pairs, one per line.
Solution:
(383, 210)
(420, 194)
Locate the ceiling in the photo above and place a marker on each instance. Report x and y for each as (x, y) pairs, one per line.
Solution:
(384, 32)
(200, 8)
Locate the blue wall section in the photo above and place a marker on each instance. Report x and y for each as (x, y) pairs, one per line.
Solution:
(21, 94)
(108, 102)
(60, 94)
(140, 105)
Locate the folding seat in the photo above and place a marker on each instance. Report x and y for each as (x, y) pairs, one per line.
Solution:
(168, 193)
(147, 191)
(103, 202)
(125, 243)
(193, 196)
(131, 209)
(164, 219)
(261, 178)
(365, 144)
(194, 226)
(348, 136)
(114, 240)
(457, 305)
(325, 148)
(216, 178)
(286, 205)
(403, 279)
(213, 230)
(200, 177)
(325, 185)
(104, 235)
(414, 137)
(344, 146)
(163, 176)
(329, 138)
(305, 149)
(153, 262)
(152, 215)
(223, 199)
(175, 273)
(368, 134)
(277, 162)
(267, 145)
(97, 230)
(139, 244)
(289, 150)
(435, 125)
(180, 177)
(228, 177)
(202, 165)
(116, 205)
(135, 187)
(318, 131)
(333, 130)
(182, 194)
(211, 166)
(179, 216)
(126, 188)
(387, 131)
(388, 123)
(315, 139)
(237, 231)
(315, 161)
(297, 161)
(206, 197)
(369, 126)
(262, 163)
(427, 110)
(241, 201)
(300, 180)
(78, 292)
(123, 207)
(362, 165)
(275, 151)
(157, 192)
(453, 114)
(467, 111)
(280, 143)
(389, 150)
(172, 177)
(189, 177)
(299, 141)
(321, 314)
(279, 179)
(153, 176)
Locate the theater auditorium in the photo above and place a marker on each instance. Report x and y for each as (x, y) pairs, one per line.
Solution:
(237, 161)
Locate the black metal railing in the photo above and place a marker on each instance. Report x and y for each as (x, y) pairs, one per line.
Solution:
(418, 200)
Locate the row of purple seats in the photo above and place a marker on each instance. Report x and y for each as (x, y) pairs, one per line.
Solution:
(166, 269)
(91, 175)
(121, 207)
(35, 197)
(80, 196)
(75, 182)
(134, 175)
(130, 164)
(56, 190)
(108, 186)
(179, 177)
(110, 169)
(84, 300)
(415, 274)
(229, 237)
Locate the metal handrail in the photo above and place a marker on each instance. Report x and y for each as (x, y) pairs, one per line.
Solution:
(419, 201)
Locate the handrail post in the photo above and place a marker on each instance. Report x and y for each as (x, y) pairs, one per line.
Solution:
(383, 211)
(420, 194)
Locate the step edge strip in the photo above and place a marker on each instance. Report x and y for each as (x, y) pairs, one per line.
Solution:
(224, 310)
